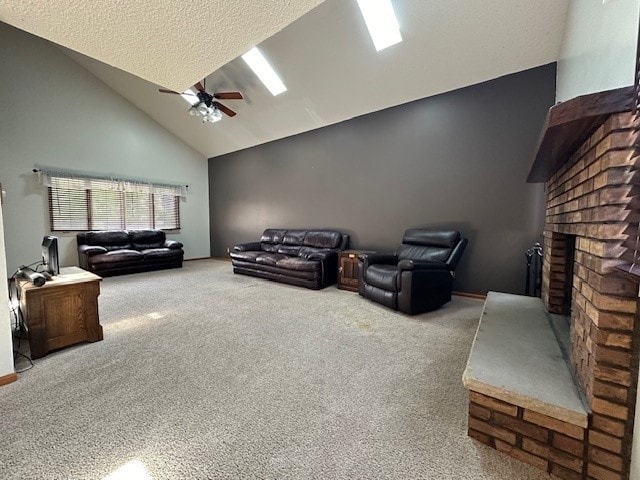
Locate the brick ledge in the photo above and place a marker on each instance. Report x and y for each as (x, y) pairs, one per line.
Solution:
(515, 357)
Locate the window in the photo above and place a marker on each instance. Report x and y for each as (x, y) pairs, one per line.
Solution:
(102, 204)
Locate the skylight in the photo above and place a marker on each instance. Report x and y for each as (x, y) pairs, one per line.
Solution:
(264, 71)
(381, 21)
(192, 99)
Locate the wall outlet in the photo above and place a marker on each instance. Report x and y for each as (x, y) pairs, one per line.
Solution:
(228, 250)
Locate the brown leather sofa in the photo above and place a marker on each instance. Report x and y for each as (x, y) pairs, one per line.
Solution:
(307, 258)
(115, 252)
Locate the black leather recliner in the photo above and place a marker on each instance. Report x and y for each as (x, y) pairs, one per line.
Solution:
(419, 276)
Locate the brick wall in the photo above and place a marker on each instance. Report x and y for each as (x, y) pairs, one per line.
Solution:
(546, 443)
(594, 199)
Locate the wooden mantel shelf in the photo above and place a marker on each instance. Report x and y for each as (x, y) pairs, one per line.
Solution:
(569, 124)
(629, 271)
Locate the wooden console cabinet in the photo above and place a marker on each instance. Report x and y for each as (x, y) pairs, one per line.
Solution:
(349, 269)
(63, 312)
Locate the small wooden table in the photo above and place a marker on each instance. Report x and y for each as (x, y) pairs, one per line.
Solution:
(349, 266)
(63, 312)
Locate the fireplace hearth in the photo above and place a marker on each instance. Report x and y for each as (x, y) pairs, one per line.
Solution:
(588, 157)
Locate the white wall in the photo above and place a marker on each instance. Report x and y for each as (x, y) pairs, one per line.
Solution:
(598, 47)
(6, 347)
(55, 113)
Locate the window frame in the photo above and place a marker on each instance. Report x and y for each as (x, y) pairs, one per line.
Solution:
(175, 218)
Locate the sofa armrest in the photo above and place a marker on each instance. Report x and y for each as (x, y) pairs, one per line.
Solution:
(328, 263)
(173, 244)
(319, 255)
(456, 254)
(91, 249)
(247, 247)
(421, 265)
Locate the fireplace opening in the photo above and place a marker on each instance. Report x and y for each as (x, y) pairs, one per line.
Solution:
(563, 256)
(569, 262)
(558, 271)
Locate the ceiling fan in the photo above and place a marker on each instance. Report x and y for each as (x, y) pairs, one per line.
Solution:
(205, 105)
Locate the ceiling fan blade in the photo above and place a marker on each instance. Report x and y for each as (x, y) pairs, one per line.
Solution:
(199, 86)
(226, 110)
(228, 96)
(190, 94)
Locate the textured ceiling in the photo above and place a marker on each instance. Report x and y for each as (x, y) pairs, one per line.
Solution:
(173, 44)
(333, 72)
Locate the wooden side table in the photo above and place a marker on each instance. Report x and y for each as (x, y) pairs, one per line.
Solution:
(349, 269)
(63, 312)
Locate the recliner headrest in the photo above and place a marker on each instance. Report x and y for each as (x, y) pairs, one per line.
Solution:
(432, 238)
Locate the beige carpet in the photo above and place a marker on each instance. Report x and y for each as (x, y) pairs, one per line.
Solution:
(205, 374)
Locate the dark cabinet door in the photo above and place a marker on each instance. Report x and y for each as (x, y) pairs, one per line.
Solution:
(348, 267)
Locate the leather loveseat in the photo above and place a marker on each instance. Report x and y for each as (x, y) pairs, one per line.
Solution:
(115, 252)
(307, 258)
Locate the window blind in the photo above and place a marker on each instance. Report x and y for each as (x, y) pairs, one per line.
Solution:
(78, 204)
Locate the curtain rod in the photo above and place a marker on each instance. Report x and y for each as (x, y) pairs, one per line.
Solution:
(37, 169)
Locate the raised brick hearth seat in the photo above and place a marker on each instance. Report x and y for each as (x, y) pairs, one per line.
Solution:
(307, 258)
(115, 252)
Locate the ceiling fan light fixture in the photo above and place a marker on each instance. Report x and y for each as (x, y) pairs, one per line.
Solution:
(264, 71)
(193, 110)
(202, 109)
(381, 22)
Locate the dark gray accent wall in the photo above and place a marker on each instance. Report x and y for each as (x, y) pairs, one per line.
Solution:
(455, 160)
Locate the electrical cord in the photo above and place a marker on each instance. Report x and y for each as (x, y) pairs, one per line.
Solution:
(18, 329)
(19, 335)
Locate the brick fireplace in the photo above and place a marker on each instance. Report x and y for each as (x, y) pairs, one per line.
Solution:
(588, 158)
(592, 200)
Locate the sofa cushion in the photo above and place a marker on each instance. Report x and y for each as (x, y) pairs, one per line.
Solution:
(292, 250)
(300, 264)
(322, 239)
(306, 275)
(245, 256)
(294, 237)
(117, 256)
(161, 253)
(305, 251)
(270, 258)
(142, 239)
(273, 235)
(269, 247)
(109, 239)
(382, 276)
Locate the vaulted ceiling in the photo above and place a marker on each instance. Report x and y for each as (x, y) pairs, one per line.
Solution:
(174, 44)
(333, 72)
